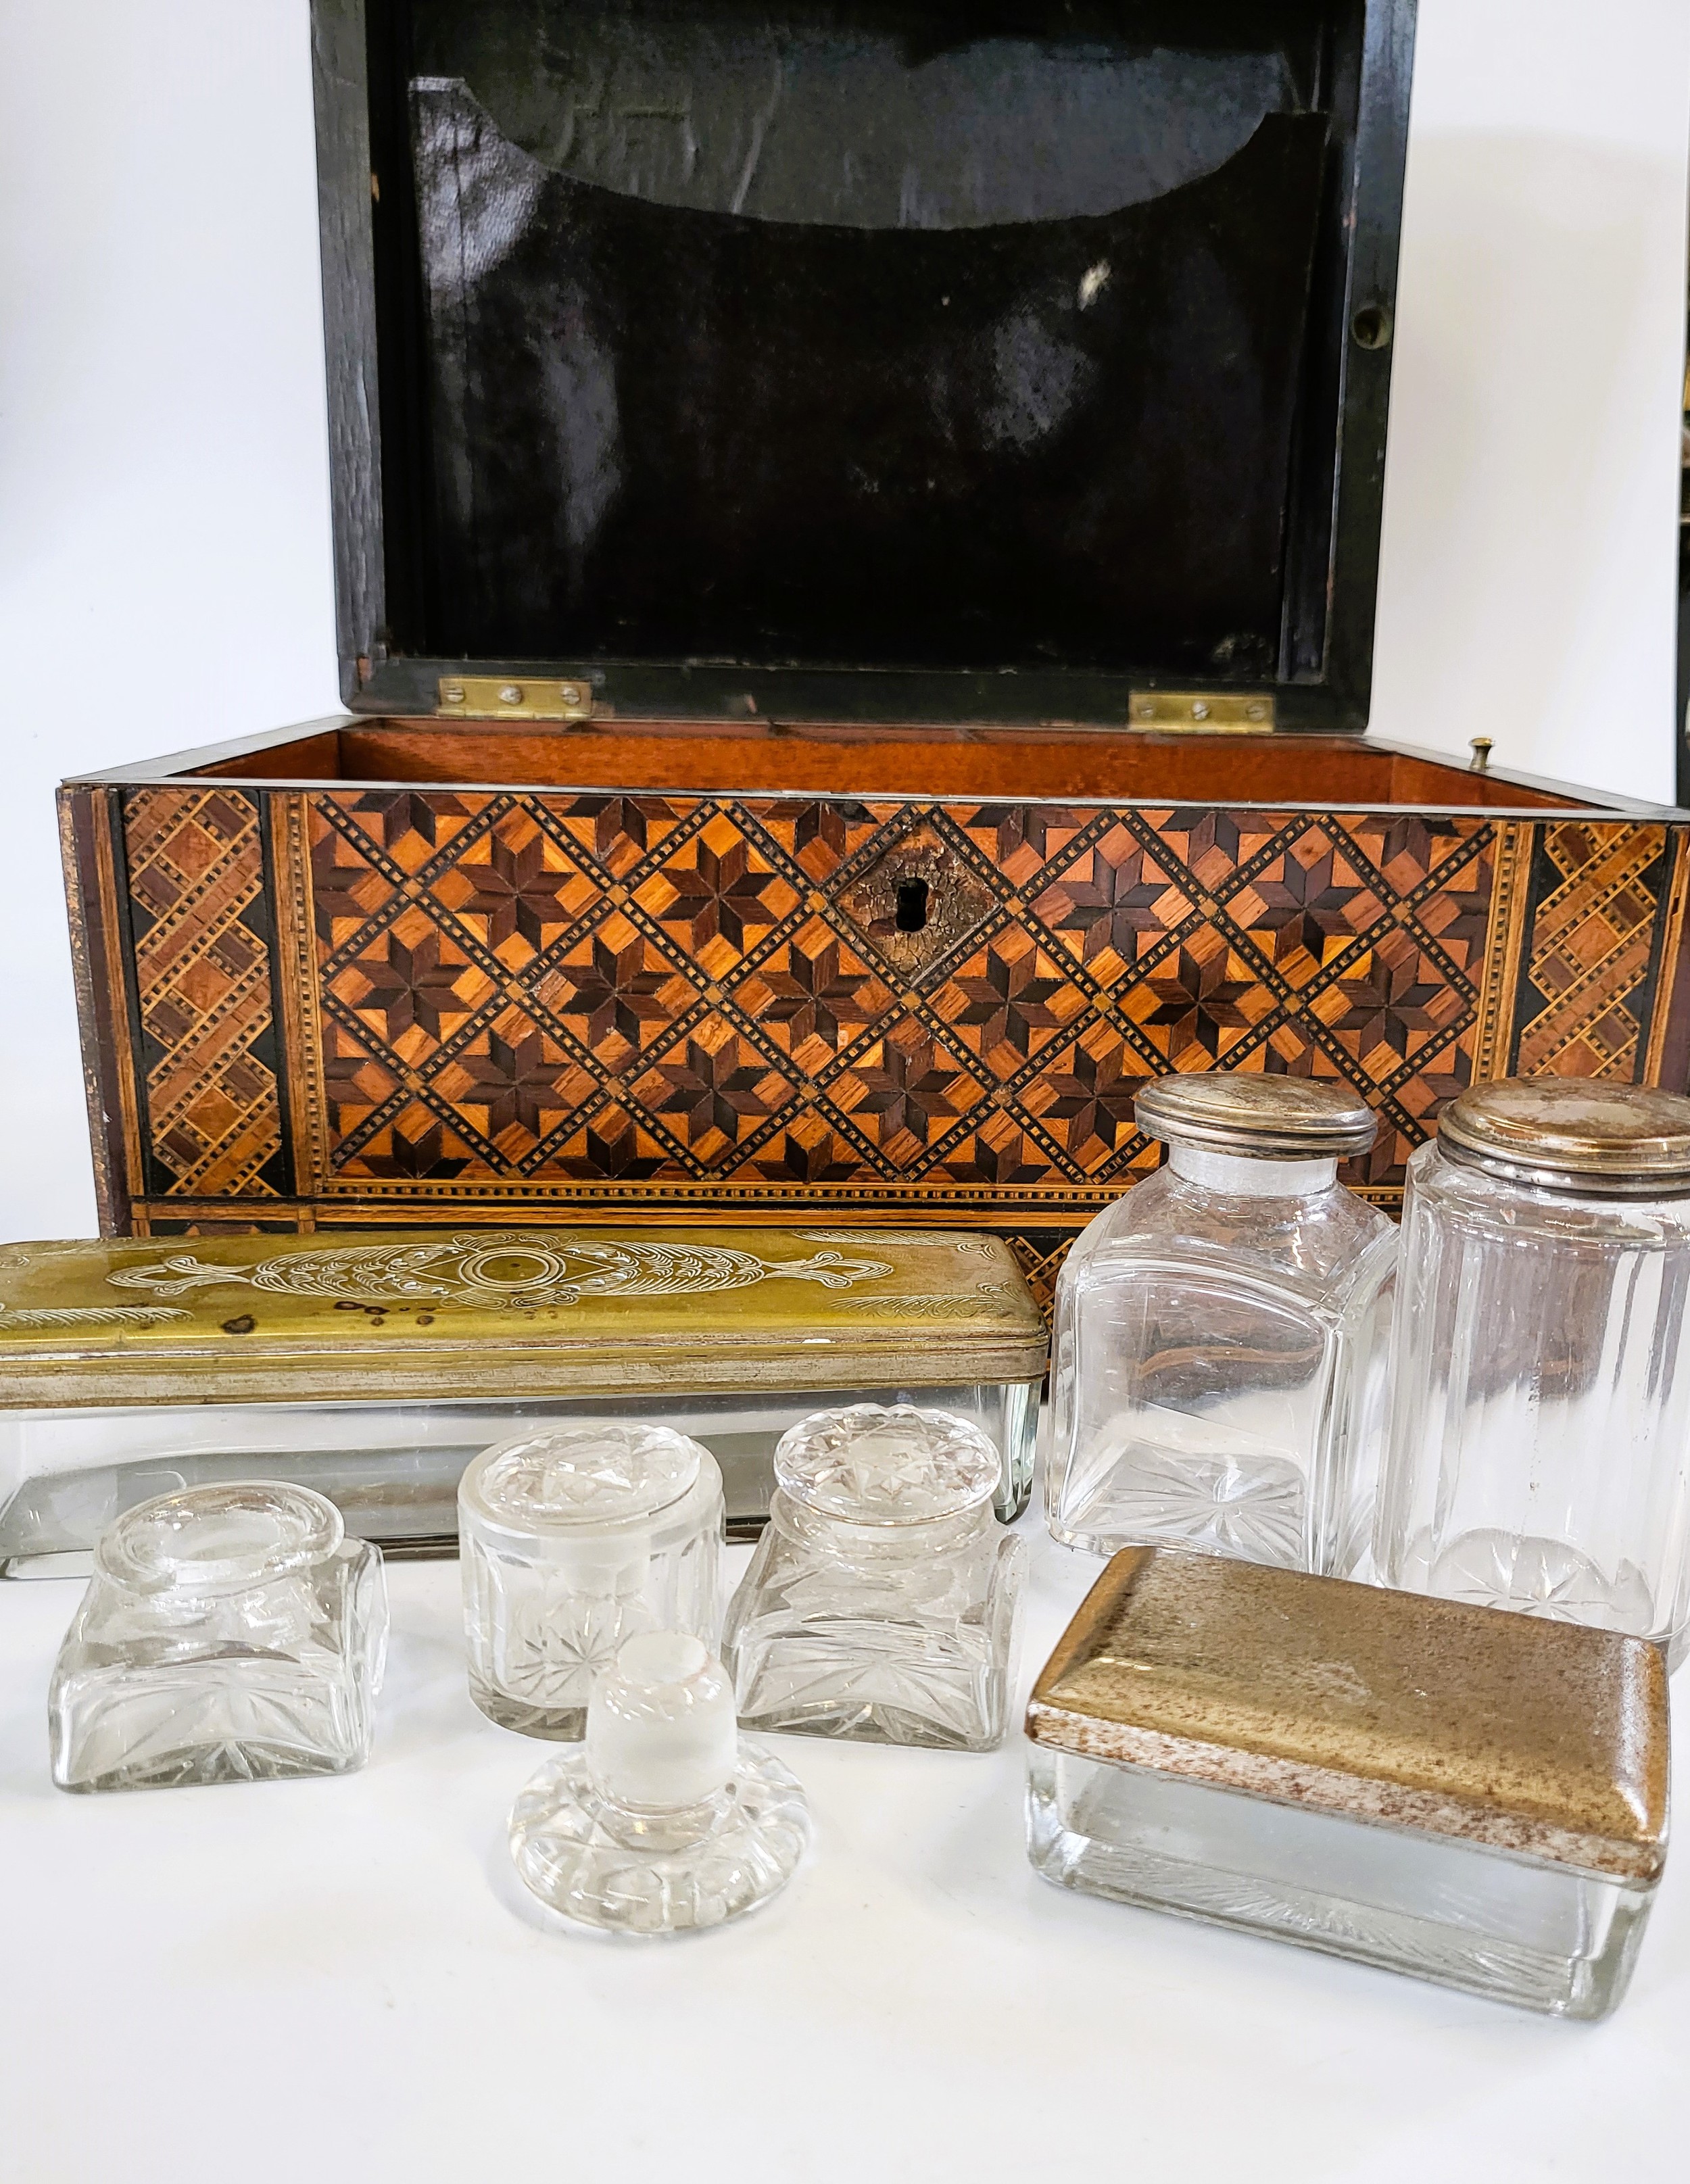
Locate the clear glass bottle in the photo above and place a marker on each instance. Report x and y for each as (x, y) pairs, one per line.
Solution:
(665, 1819)
(880, 1602)
(1538, 1455)
(230, 1633)
(573, 1540)
(1220, 1334)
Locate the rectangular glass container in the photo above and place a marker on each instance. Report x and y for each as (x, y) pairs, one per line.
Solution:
(373, 1367)
(1471, 1797)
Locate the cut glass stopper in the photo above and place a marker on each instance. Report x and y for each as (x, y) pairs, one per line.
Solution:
(581, 1474)
(664, 1818)
(875, 1464)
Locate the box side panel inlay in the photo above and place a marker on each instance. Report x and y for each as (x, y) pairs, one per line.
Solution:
(1589, 965)
(583, 1003)
(209, 1097)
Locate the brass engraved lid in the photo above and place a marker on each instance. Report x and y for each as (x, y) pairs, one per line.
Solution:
(1247, 1111)
(1570, 1133)
(1543, 1739)
(494, 1312)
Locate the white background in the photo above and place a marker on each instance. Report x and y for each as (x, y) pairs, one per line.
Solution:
(335, 1980)
(164, 574)
(340, 1982)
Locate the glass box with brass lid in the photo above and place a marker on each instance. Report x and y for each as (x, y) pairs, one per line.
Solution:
(372, 1367)
(1539, 1450)
(1471, 1798)
(1220, 1333)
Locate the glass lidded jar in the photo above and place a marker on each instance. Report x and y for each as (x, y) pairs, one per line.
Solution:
(230, 1633)
(880, 1602)
(1538, 1453)
(572, 1541)
(1218, 1380)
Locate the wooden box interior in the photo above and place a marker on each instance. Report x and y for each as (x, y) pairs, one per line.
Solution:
(1041, 765)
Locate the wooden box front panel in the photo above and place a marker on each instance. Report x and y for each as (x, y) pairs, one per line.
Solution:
(378, 1006)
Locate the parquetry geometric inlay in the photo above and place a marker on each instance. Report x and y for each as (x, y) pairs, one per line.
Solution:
(1591, 939)
(652, 991)
(587, 1002)
(196, 888)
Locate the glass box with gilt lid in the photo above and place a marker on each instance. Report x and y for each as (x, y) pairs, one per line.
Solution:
(1472, 1797)
(373, 1367)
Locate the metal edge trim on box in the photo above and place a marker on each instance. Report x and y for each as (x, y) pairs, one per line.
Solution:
(353, 1375)
(1634, 1851)
(1351, 1797)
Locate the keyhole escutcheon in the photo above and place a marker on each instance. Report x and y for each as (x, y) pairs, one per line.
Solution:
(911, 911)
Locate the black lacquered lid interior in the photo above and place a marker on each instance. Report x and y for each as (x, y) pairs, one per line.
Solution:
(830, 335)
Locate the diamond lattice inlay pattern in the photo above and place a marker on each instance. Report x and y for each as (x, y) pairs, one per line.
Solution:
(1593, 939)
(213, 1120)
(654, 994)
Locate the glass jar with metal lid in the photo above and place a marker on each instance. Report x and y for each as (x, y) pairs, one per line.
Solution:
(1220, 1334)
(1538, 1455)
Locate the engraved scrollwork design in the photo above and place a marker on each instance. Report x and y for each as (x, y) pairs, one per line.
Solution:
(503, 1270)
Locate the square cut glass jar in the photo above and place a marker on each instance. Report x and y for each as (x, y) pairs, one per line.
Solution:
(1220, 1338)
(571, 1540)
(1475, 1798)
(230, 1634)
(880, 1602)
(1538, 1453)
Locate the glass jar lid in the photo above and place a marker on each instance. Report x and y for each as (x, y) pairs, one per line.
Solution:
(1248, 1111)
(876, 1463)
(1568, 1133)
(568, 1477)
(226, 1538)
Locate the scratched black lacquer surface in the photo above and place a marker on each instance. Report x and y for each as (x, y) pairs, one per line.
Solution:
(826, 336)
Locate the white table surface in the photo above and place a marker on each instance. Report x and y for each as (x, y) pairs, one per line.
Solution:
(342, 1978)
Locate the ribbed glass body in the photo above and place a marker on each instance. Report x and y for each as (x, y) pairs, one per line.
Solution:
(1218, 1380)
(1538, 1456)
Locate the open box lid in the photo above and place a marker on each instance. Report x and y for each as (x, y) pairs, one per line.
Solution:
(827, 361)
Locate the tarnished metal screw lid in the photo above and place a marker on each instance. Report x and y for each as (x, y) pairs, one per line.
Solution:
(1262, 1117)
(1568, 1133)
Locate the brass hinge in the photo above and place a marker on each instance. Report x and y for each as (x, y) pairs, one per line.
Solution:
(1206, 712)
(505, 697)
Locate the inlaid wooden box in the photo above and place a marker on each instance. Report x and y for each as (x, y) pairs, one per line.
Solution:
(857, 540)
